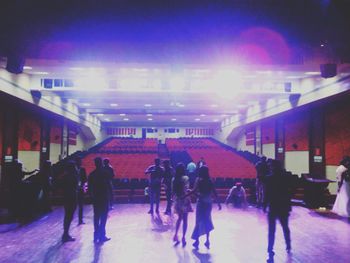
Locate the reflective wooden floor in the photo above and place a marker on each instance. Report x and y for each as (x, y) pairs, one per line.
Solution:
(239, 236)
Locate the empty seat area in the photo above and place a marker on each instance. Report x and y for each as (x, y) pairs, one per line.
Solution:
(130, 145)
(222, 162)
(126, 165)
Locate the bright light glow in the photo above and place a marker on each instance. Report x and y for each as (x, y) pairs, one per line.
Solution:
(216, 120)
(202, 115)
(40, 73)
(312, 73)
(197, 119)
(214, 106)
(149, 114)
(27, 67)
(180, 105)
(94, 80)
(113, 104)
(133, 83)
(227, 83)
(177, 83)
(150, 119)
(122, 114)
(125, 119)
(293, 77)
(100, 114)
(148, 105)
(173, 119)
(106, 119)
(86, 104)
(76, 69)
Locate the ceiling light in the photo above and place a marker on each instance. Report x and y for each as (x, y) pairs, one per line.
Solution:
(197, 119)
(293, 77)
(106, 119)
(76, 69)
(100, 114)
(149, 114)
(173, 119)
(122, 114)
(202, 115)
(312, 73)
(27, 67)
(125, 119)
(150, 119)
(40, 73)
(148, 105)
(113, 104)
(86, 104)
(216, 120)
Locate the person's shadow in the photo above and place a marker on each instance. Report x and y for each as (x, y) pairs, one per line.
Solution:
(182, 255)
(203, 257)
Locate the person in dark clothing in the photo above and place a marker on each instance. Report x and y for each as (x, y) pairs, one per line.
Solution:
(45, 179)
(156, 173)
(82, 181)
(278, 202)
(204, 189)
(110, 172)
(18, 202)
(70, 192)
(168, 177)
(99, 188)
(261, 172)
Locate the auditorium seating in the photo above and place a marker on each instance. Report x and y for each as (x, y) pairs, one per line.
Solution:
(129, 145)
(222, 162)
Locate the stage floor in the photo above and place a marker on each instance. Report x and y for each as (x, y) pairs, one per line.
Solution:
(239, 236)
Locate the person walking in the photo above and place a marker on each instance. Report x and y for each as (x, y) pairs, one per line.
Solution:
(70, 191)
(278, 203)
(167, 181)
(82, 182)
(204, 189)
(180, 187)
(99, 188)
(156, 173)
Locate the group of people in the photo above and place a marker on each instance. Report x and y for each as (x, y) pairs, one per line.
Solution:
(177, 184)
(99, 184)
(342, 202)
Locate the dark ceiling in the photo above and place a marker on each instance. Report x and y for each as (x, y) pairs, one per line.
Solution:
(165, 31)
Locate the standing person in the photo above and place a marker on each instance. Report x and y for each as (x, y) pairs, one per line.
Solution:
(278, 196)
(110, 171)
(342, 202)
(99, 188)
(45, 179)
(156, 173)
(200, 163)
(82, 181)
(70, 191)
(261, 173)
(180, 186)
(168, 177)
(204, 188)
(191, 172)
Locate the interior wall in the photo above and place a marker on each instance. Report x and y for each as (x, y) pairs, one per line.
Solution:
(297, 162)
(30, 159)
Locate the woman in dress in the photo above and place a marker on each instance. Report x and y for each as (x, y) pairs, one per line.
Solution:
(182, 205)
(342, 202)
(204, 188)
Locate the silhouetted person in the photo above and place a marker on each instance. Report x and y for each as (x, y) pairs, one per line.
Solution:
(18, 199)
(82, 181)
(109, 169)
(168, 176)
(204, 189)
(156, 173)
(200, 163)
(182, 205)
(278, 196)
(70, 195)
(237, 196)
(261, 172)
(45, 179)
(99, 188)
(191, 172)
